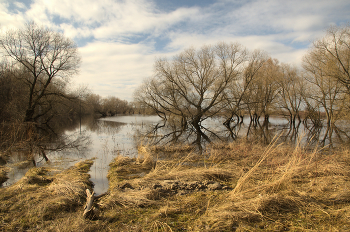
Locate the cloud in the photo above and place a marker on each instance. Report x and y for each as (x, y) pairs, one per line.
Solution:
(108, 19)
(9, 20)
(135, 19)
(119, 39)
(270, 43)
(115, 69)
(73, 32)
(20, 5)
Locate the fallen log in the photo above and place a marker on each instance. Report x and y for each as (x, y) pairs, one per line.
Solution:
(90, 211)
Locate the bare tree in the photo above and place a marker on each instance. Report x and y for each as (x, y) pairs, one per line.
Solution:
(192, 84)
(238, 89)
(49, 58)
(331, 55)
(327, 68)
(325, 91)
(263, 91)
(291, 92)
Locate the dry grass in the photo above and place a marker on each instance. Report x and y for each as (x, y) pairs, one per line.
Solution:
(39, 198)
(273, 188)
(287, 189)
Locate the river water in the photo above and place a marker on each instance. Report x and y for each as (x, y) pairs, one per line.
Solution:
(106, 138)
(103, 139)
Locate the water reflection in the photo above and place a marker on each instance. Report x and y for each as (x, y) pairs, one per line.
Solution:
(104, 139)
(303, 133)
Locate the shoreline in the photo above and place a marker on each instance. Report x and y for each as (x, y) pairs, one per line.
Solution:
(237, 186)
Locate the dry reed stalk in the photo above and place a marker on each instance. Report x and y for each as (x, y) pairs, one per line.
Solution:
(272, 146)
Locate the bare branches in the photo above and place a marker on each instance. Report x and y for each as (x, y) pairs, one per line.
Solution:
(193, 83)
(46, 55)
(327, 68)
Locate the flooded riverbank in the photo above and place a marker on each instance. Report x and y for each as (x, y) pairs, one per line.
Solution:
(242, 186)
(104, 139)
(101, 139)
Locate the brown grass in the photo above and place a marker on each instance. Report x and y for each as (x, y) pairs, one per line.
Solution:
(273, 188)
(38, 198)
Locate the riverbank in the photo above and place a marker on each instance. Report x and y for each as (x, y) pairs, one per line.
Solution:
(240, 186)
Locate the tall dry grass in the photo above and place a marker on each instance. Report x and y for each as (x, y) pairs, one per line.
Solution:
(287, 189)
(271, 188)
(39, 198)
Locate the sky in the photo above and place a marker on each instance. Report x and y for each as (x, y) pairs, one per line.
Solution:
(119, 40)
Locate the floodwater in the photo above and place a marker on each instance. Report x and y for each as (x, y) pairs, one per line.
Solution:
(106, 138)
(102, 139)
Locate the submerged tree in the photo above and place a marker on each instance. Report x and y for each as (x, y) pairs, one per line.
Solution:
(325, 93)
(192, 84)
(238, 90)
(327, 67)
(263, 91)
(291, 93)
(48, 58)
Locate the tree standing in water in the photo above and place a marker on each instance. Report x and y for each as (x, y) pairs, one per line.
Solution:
(48, 58)
(192, 84)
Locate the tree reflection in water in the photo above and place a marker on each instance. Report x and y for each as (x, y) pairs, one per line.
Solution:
(170, 133)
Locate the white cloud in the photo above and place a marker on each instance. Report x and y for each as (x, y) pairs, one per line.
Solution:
(109, 18)
(73, 32)
(20, 5)
(124, 36)
(38, 14)
(86, 11)
(137, 19)
(268, 43)
(115, 69)
(9, 20)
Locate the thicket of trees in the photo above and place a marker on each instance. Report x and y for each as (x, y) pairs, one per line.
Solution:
(225, 79)
(228, 80)
(110, 106)
(37, 64)
(57, 105)
(36, 67)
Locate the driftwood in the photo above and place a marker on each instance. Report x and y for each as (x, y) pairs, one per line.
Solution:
(90, 211)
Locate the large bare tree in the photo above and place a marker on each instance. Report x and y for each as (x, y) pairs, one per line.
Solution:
(291, 92)
(238, 90)
(262, 92)
(331, 55)
(325, 92)
(327, 69)
(191, 85)
(48, 57)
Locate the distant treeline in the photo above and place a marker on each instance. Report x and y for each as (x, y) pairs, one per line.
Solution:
(58, 104)
(35, 70)
(228, 80)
